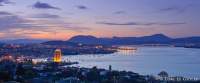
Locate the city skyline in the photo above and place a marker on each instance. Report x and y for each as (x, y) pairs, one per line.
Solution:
(62, 19)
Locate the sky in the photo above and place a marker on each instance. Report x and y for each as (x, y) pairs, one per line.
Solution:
(62, 19)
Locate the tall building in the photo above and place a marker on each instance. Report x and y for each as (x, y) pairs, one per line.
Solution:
(57, 56)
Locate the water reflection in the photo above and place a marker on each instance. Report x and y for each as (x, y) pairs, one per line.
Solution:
(146, 60)
(126, 52)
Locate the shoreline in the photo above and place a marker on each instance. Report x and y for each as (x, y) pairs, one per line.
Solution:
(52, 72)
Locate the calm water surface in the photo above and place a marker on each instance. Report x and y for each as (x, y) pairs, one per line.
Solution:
(147, 60)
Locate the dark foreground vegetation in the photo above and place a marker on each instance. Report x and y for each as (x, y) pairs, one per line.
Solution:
(29, 71)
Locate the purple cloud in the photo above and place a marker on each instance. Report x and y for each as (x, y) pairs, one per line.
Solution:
(178, 9)
(4, 13)
(119, 12)
(45, 15)
(40, 5)
(2, 2)
(82, 7)
(140, 24)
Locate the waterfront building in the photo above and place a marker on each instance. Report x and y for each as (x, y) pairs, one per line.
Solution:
(110, 68)
(7, 67)
(57, 56)
(7, 57)
(163, 74)
(69, 80)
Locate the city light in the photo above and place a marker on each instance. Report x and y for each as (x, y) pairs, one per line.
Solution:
(57, 56)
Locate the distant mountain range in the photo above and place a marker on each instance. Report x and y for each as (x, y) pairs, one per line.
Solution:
(87, 39)
(60, 43)
(153, 39)
(23, 41)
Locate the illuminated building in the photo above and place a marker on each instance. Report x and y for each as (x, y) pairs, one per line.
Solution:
(7, 57)
(8, 65)
(57, 56)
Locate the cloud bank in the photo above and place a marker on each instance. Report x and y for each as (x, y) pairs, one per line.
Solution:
(140, 23)
(3, 2)
(82, 7)
(40, 5)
